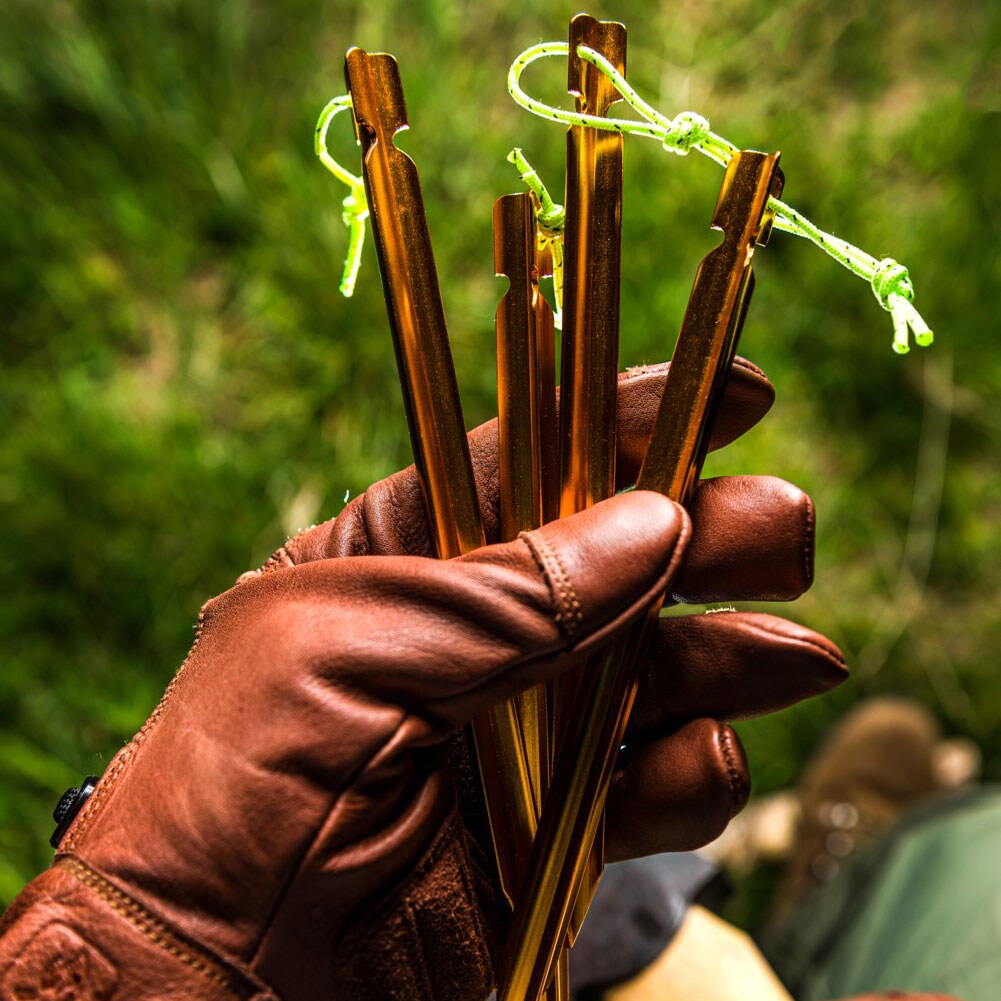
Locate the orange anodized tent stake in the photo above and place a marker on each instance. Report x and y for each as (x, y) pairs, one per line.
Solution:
(434, 412)
(592, 243)
(527, 443)
(590, 350)
(526, 427)
(702, 358)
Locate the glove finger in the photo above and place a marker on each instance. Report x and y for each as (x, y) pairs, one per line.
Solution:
(676, 793)
(730, 666)
(748, 396)
(752, 540)
(389, 518)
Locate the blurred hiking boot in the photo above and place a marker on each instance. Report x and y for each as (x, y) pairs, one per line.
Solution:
(882, 758)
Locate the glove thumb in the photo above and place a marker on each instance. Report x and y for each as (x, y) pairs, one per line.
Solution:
(523, 611)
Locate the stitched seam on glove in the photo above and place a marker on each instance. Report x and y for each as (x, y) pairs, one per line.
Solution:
(279, 559)
(638, 371)
(106, 785)
(145, 923)
(733, 775)
(418, 965)
(830, 657)
(468, 880)
(569, 615)
(809, 536)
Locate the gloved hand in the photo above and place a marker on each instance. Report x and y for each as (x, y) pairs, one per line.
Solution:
(285, 825)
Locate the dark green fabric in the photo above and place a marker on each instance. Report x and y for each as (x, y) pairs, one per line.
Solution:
(920, 910)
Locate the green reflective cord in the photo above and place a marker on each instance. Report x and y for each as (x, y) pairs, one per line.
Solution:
(889, 280)
(549, 216)
(355, 205)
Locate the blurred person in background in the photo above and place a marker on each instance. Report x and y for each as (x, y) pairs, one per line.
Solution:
(891, 884)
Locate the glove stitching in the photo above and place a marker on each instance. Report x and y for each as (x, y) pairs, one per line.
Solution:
(809, 536)
(748, 366)
(360, 534)
(733, 776)
(107, 781)
(804, 640)
(144, 922)
(472, 893)
(750, 623)
(419, 967)
(635, 372)
(569, 614)
(280, 559)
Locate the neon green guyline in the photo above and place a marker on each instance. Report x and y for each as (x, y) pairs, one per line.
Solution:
(355, 205)
(889, 280)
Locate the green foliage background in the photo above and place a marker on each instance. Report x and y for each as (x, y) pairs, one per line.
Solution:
(182, 385)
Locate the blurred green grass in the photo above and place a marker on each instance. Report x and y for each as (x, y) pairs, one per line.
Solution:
(183, 386)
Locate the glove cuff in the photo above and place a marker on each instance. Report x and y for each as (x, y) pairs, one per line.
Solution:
(71, 930)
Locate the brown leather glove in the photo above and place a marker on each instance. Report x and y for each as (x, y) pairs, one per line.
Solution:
(285, 824)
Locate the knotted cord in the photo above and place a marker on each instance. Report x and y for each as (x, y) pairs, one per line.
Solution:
(889, 280)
